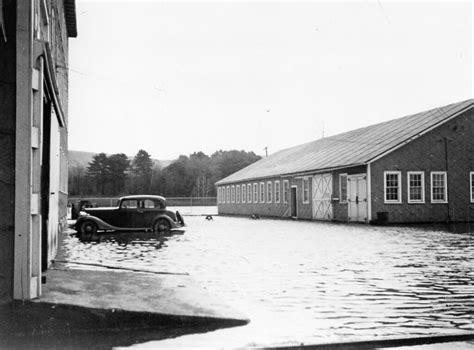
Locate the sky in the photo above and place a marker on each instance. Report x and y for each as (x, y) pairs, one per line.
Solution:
(175, 78)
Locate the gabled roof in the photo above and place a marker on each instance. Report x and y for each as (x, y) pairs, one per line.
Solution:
(352, 148)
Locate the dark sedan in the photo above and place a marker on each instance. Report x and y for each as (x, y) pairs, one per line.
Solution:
(133, 213)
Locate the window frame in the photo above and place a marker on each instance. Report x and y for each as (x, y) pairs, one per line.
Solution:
(286, 192)
(262, 192)
(277, 191)
(255, 192)
(399, 192)
(445, 200)
(269, 195)
(471, 184)
(343, 201)
(232, 194)
(243, 188)
(249, 193)
(227, 194)
(416, 201)
(237, 194)
(305, 189)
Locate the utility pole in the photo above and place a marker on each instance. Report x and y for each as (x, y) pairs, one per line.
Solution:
(266, 151)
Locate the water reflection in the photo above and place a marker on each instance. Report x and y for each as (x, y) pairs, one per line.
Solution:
(307, 282)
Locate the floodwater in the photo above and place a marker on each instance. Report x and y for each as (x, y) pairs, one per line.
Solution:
(308, 282)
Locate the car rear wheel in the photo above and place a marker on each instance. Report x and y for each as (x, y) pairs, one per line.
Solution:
(161, 225)
(88, 227)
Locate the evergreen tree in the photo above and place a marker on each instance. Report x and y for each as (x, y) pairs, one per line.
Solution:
(142, 169)
(99, 172)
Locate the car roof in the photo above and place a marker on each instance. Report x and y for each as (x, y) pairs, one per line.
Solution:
(145, 196)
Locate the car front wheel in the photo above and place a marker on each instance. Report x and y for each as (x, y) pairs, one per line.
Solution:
(88, 227)
(161, 225)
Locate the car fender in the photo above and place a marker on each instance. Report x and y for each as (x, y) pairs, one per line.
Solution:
(101, 224)
(166, 217)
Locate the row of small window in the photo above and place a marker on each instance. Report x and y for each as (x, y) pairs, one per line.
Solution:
(254, 193)
(416, 186)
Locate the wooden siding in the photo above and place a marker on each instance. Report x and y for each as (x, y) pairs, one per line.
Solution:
(428, 153)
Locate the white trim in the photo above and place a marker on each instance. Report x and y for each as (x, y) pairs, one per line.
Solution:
(369, 192)
(471, 185)
(414, 201)
(389, 172)
(302, 190)
(261, 194)
(243, 188)
(237, 194)
(249, 193)
(269, 194)
(286, 194)
(445, 186)
(278, 182)
(469, 106)
(227, 196)
(255, 192)
(308, 173)
(340, 188)
(232, 194)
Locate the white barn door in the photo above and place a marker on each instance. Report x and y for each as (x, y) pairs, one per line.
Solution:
(357, 197)
(322, 197)
(53, 217)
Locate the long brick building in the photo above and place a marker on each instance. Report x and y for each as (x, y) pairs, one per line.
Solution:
(419, 168)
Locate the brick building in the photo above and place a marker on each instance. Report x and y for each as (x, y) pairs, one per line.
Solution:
(33, 137)
(419, 168)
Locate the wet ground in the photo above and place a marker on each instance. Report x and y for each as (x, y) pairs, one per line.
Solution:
(307, 282)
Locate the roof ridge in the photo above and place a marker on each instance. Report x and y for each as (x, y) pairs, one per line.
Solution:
(338, 150)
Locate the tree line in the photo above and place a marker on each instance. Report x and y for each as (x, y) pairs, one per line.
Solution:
(193, 175)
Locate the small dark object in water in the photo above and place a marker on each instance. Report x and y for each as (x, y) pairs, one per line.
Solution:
(209, 218)
(255, 217)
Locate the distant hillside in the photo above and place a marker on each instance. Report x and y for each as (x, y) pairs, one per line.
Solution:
(81, 158)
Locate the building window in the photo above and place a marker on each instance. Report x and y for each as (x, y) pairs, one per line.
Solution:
(343, 188)
(269, 192)
(416, 186)
(439, 187)
(305, 190)
(244, 193)
(237, 193)
(249, 193)
(392, 187)
(232, 194)
(262, 192)
(471, 176)
(218, 195)
(255, 193)
(286, 191)
(277, 191)
(228, 194)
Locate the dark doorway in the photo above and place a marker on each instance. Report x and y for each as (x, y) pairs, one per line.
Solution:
(294, 211)
(45, 175)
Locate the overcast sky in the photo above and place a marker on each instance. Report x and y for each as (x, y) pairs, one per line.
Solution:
(175, 78)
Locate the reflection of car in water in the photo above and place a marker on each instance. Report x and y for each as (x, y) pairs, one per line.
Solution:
(133, 213)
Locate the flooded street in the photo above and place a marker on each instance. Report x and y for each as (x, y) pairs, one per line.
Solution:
(307, 282)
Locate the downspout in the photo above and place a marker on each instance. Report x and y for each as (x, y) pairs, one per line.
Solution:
(369, 193)
(447, 174)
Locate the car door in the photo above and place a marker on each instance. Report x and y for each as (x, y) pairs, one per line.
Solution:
(151, 208)
(129, 213)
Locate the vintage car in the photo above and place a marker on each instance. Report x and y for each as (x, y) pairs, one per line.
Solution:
(132, 213)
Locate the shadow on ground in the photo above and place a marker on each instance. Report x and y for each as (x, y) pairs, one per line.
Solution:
(43, 326)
